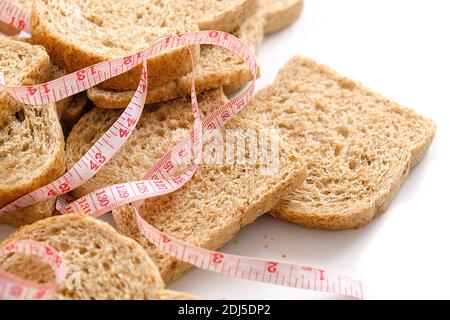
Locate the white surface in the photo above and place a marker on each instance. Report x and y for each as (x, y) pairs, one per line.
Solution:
(400, 49)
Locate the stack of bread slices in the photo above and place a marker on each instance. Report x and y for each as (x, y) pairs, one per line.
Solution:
(343, 151)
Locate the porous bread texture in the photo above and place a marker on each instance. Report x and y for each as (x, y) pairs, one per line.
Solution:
(210, 209)
(223, 15)
(216, 67)
(101, 264)
(358, 145)
(21, 64)
(31, 155)
(80, 33)
(279, 14)
(7, 28)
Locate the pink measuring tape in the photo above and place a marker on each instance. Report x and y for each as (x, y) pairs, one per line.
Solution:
(14, 16)
(13, 287)
(158, 180)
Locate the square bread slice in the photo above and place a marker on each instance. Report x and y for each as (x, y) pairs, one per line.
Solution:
(358, 145)
(79, 33)
(101, 264)
(209, 210)
(216, 67)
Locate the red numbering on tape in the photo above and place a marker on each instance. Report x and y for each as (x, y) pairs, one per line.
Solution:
(274, 272)
(14, 16)
(272, 266)
(158, 180)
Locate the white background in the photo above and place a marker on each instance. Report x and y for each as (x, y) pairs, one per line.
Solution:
(401, 49)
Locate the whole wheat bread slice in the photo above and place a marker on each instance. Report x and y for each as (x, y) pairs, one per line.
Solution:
(279, 14)
(80, 33)
(21, 64)
(101, 263)
(216, 67)
(358, 145)
(33, 135)
(29, 133)
(211, 208)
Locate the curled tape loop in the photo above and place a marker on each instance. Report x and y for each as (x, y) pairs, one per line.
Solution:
(158, 180)
(13, 287)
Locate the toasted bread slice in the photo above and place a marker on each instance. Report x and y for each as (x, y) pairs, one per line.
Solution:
(81, 33)
(101, 263)
(358, 145)
(217, 67)
(211, 208)
(21, 64)
(279, 14)
(33, 135)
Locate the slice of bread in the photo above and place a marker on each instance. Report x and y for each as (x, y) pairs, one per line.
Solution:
(33, 135)
(7, 28)
(80, 33)
(101, 264)
(279, 14)
(21, 64)
(358, 145)
(217, 67)
(211, 208)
